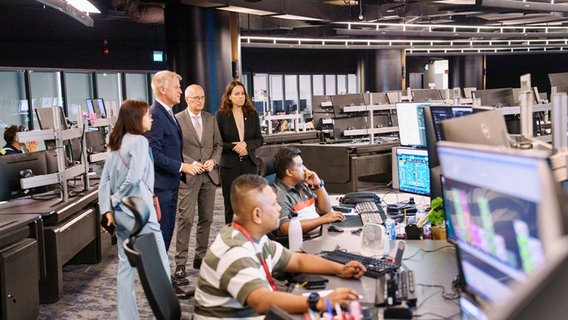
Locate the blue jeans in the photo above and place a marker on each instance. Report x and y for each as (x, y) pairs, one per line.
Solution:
(126, 294)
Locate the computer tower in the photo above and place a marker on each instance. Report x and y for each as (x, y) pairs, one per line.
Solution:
(19, 277)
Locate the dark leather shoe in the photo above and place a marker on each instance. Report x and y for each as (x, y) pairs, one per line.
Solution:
(180, 282)
(180, 272)
(196, 263)
(183, 294)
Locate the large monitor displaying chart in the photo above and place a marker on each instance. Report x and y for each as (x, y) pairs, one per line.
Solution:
(505, 210)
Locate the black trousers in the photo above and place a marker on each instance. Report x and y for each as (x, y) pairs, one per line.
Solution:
(228, 175)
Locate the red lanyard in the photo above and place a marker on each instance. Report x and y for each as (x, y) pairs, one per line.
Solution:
(261, 258)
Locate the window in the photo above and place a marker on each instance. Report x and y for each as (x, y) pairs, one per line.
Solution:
(14, 107)
(330, 85)
(276, 94)
(79, 87)
(291, 93)
(110, 90)
(305, 94)
(136, 86)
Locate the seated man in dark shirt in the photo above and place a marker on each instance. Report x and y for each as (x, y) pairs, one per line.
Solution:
(13, 146)
(300, 191)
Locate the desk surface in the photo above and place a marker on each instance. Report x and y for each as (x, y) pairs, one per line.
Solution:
(10, 222)
(53, 210)
(433, 262)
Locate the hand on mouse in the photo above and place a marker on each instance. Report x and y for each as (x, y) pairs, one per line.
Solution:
(333, 216)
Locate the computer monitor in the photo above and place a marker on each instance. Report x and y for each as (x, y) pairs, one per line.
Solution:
(487, 128)
(13, 167)
(426, 95)
(413, 170)
(495, 97)
(379, 98)
(541, 297)
(506, 211)
(439, 113)
(322, 104)
(90, 107)
(394, 96)
(470, 310)
(96, 106)
(346, 100)
(411, 128)
(95, 141)
(468, 92)
(46, 120)
(100, 105)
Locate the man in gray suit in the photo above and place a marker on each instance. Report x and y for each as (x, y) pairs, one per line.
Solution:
(202, 146)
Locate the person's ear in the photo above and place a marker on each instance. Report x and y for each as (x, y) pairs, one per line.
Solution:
(257, 215)
(289, 172)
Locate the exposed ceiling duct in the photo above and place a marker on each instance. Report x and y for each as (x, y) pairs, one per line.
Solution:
(141, 12)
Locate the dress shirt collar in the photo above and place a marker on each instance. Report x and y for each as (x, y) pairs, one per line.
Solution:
(191, 114)
(164, 105)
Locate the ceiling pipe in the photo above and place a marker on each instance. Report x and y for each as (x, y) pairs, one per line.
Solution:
(147, 12)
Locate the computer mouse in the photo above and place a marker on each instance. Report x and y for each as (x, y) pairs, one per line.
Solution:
(334, 228)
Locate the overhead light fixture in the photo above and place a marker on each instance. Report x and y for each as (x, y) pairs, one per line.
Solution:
(84, 6)
(246, 10)
(295, 17)
(77, 9)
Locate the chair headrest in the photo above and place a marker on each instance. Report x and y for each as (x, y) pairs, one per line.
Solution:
(141, 213)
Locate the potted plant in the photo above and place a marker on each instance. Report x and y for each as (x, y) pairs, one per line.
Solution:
(437, 219)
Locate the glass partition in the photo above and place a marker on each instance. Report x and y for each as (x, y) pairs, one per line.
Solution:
(136, 86)
(79, 87)
(14, 107)
(330, 85)
(291, 93)
(108, 84)
(276, 93)
(45, 91)
(305, 93)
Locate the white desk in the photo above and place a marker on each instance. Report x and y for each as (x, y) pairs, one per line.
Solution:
(430, 268)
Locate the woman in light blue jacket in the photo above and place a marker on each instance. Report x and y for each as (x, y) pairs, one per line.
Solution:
(129, 171)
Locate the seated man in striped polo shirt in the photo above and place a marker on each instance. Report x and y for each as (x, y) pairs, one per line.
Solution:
(235, 277)
(300, 192)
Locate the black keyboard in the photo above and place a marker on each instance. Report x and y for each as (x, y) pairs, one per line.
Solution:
(375, 267)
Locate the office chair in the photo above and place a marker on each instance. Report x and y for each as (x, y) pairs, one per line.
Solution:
(266, 164)
(142, 253)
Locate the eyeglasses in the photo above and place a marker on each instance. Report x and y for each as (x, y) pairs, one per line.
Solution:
(199, 98)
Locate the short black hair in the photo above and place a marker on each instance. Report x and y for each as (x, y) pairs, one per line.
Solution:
(242, 185)
(10, 134)
(284, 160)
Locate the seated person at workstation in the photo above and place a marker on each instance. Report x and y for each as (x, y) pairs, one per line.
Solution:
(13, 146)
(235, 277)
(293, 188)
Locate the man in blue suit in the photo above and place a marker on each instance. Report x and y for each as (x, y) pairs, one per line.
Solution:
(166, 143)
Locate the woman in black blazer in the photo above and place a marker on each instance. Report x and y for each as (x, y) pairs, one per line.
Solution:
(239, 125)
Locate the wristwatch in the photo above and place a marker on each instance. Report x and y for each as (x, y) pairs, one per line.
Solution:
(313, 300)
(321, 184)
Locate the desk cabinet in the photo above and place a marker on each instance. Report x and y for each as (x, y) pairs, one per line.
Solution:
(19, 276)
(75, 240)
